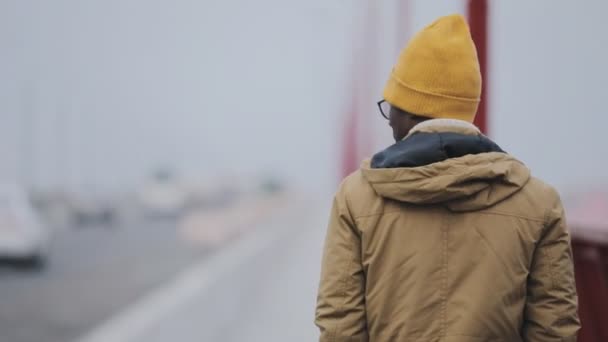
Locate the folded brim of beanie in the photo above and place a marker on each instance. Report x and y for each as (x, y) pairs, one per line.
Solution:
(427, 104)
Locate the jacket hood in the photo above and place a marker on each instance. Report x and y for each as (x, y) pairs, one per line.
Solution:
(448, 162)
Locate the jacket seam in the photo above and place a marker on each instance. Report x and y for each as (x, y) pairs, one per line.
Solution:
(487, 243)
(444, 271)
(350, 213)
(494, 212)
(378, 214)
(477, 212)
(485, 339)
(345, 280)
(343, 295)
(546, 226)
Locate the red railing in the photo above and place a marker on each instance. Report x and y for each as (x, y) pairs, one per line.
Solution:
(477, 12)
(591, 269)
(588, 221)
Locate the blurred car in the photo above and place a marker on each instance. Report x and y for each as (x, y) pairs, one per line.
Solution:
(23, 237)
(62, 209)
(162, 200)
(162, 196)
(91, 211)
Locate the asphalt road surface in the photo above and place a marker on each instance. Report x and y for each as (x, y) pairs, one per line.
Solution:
(141, 282)
(261, 287)
(93, 272)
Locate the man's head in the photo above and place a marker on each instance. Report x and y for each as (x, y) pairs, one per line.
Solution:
(400, 120)
(437, 76)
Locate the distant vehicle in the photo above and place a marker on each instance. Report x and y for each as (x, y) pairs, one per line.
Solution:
(90, 211)
(23, 237)
(62, 209)
(162, 196)
(162, 200)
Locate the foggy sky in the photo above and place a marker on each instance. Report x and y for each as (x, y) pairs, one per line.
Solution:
(99, 93)
(117, 88)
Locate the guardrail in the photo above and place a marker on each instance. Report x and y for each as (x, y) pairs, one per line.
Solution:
(590, 250)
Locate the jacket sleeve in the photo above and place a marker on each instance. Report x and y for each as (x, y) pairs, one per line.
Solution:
(551, 306)
(340, 312)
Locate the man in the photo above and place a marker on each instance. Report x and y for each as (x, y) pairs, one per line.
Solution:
(443, 236)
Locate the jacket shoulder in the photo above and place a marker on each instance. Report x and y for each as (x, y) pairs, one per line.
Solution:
(542, 193)
(542, 189)
(359, 195)
(536, 201)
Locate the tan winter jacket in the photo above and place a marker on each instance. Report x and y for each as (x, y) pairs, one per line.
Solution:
(444, 237)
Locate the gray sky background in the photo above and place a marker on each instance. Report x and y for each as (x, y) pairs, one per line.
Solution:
(101, 92)
(115, 88)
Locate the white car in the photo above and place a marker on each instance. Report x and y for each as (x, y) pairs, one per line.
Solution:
(162, 199)
(23, 237)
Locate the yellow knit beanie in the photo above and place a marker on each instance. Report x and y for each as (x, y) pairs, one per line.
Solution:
(437, 74)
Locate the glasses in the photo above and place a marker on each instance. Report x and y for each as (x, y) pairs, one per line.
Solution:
(385, 108)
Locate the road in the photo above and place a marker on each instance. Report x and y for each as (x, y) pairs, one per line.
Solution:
(257, 286)
(261, 287)
(93, 272)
